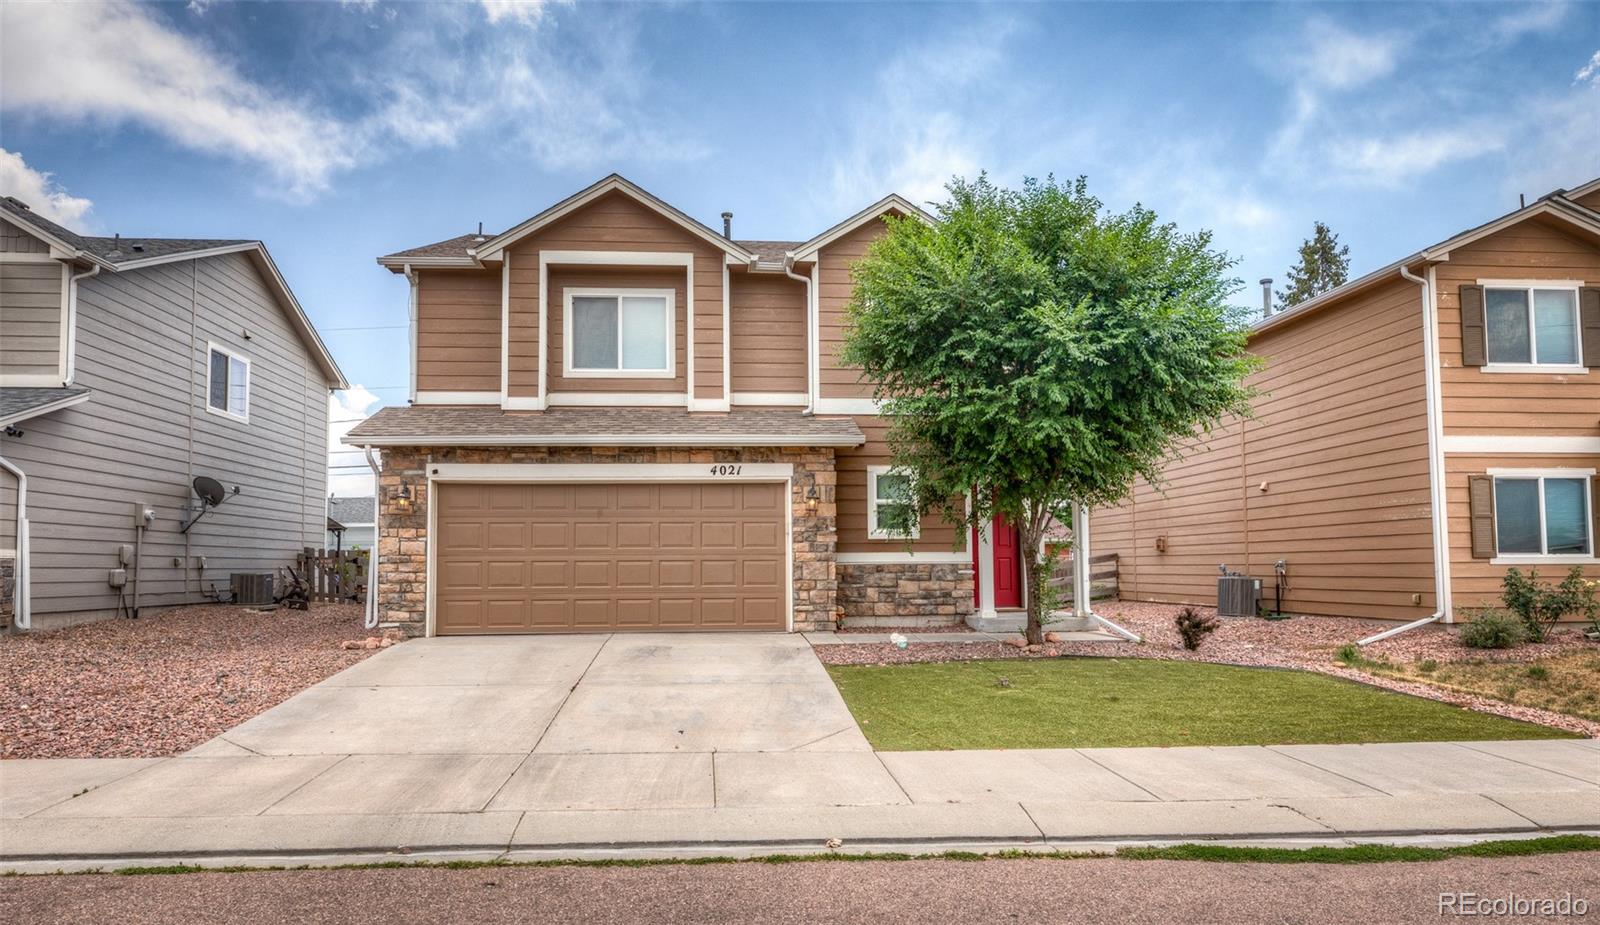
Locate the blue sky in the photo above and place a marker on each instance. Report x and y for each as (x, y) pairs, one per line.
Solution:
(336, 132)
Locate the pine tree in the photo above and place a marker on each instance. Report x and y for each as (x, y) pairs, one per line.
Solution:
(1324, 264)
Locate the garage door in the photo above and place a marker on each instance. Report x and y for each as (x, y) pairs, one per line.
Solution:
(560, 558)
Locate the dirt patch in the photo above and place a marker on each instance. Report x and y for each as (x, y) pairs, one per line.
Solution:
(1308, 643)
(166, 682)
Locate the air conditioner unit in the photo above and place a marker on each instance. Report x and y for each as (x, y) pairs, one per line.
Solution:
(251, 587)
(1238, 596)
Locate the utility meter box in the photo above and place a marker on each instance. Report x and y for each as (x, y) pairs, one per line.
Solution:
(117, 577)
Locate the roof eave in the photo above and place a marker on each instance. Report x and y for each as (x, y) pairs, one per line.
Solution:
(398, 263)
(893, 201)
(730, 440)
(18, 417)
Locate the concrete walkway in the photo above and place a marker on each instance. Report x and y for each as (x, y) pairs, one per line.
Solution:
(582, 746)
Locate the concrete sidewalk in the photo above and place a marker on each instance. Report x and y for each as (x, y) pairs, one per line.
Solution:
(76, 814)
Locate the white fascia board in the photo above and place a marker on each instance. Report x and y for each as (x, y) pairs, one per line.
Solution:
(430, 263)
(611, 472)
(608, 440)
(1490, 445)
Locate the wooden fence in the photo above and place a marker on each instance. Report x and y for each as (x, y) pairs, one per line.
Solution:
(1102, 577)
(333, 575)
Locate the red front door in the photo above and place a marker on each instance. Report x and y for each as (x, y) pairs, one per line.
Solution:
(1007, 565)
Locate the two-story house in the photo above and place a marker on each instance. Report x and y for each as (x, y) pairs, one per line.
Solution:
(1419, 431)
(622, 419)
(128, 368)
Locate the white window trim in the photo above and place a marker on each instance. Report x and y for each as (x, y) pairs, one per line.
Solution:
(873, 530)
(1586, 476)
(1527, 286)
(568, 370)
(212, 347)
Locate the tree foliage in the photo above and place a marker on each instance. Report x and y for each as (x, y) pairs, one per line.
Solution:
(1034, 352)
(1324, 265)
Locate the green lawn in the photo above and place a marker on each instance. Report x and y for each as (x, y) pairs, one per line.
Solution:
(1102, 702)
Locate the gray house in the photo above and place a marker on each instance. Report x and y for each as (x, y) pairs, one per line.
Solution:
(128, 367)
(357, 523)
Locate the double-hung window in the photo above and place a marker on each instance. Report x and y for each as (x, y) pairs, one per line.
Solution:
(1543, 513)
(890, 514)
(1532, 326)
(619, 333)
(227, 382)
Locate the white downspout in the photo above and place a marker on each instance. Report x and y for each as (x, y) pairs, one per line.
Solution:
(811, 364)
(411, 327)
(1436, 499)
(21, 612)
(72, 320)
(370, 620)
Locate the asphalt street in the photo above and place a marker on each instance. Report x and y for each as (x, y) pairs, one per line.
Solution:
(1125, 892)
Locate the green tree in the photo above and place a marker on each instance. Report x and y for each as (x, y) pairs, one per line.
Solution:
(1033, 352)
(1324, 265)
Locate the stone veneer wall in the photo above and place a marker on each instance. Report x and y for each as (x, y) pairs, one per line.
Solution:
(402, 538)
(905, 594)
(8, 589)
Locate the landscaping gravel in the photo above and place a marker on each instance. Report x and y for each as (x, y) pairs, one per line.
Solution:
(164, 683)
(1305, 642)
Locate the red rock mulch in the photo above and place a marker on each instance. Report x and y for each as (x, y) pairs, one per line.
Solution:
(1307, 643)
(166, 682)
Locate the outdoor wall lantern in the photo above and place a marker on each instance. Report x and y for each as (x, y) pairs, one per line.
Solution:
(401, 499)
(811, 499)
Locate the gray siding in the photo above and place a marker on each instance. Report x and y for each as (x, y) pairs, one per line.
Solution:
(31, 318)
(14, 240)
(364, 537)
(146, 433)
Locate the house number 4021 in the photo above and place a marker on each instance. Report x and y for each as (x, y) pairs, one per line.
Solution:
(726, 469)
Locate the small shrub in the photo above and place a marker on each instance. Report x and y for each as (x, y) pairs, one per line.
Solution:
(1493, 629)
(1427, 666)
(1539, 605)
(1194, 626)
(1350, 654)
(1537, 673)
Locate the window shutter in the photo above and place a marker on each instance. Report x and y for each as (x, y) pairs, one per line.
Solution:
(1474, 346)
(1480, 491)
(1589, 324)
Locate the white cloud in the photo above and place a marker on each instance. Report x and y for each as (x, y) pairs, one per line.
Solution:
(348, 474)
(116, 62)
(1340, 59)
(1590, 72)
(526, 12)
(1533, 18)
(41, 192)
(1389, 161)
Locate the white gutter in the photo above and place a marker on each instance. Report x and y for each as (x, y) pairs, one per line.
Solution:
(1436, 500)
(370, 621)
(411, 277)
(21, 613)
(72, 320)
(811, 361)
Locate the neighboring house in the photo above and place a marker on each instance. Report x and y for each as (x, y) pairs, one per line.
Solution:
(128, 367)
(1420, 430)
(624, 420)
(357, 526)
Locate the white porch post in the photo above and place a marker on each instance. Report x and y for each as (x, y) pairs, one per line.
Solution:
(985, 572)
(1080, 562)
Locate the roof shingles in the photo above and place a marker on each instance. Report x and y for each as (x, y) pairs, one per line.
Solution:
(477, 425)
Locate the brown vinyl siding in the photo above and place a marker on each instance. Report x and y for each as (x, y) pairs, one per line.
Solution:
(31, 294)
(564, 278)
(458, 330)
(13, 240)
(614, 222)
(834, 288)
(769, 333)
(851, 464)
(1591, 201)
(1515, 404)
(1476, 582)
(1339, 439)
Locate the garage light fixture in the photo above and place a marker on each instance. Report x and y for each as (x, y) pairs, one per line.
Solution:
(401, 499)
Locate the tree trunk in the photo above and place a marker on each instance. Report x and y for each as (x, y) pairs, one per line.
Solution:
(1035, 577)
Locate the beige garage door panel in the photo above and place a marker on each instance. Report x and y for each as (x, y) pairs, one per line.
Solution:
(556, 558)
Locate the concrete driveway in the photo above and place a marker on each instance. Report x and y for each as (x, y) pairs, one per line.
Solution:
(533, 723)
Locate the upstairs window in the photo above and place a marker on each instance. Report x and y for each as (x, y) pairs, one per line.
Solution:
(890, 514)
(228, 383)
(619, 333)
(1538, 514)
(1531, 326)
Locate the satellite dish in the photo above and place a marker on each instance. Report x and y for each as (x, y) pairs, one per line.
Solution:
(210, 490)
